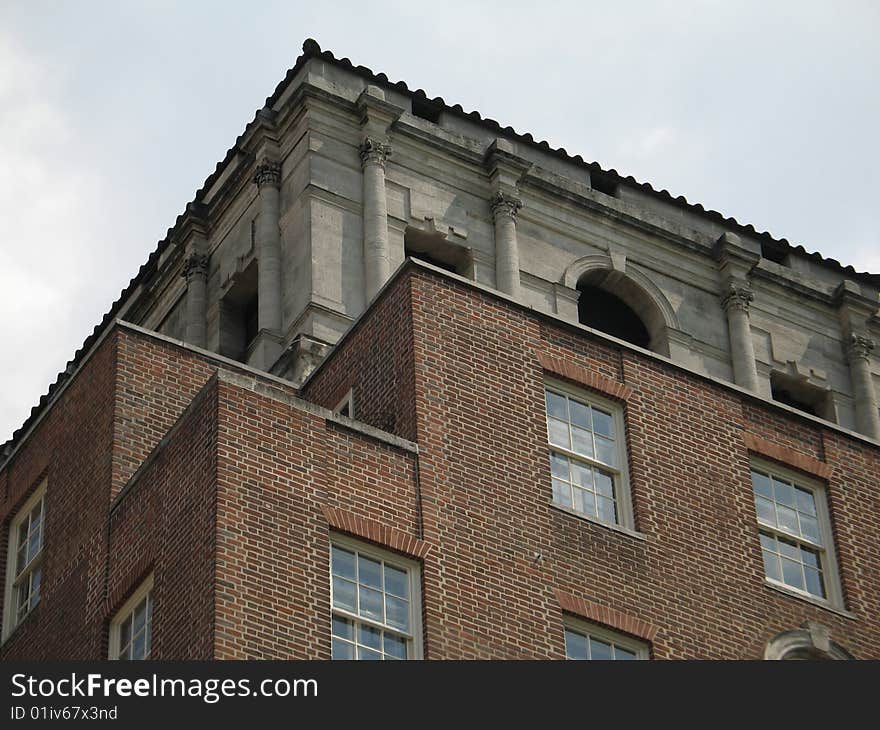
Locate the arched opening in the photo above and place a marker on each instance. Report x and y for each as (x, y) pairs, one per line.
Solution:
(613, 303)
(811, 642)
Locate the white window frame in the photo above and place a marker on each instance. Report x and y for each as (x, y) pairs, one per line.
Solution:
(620, 474)
(114, 644)
(578, 625)
(10, 593)
(414, 572)
(347, 400)
(827, 556)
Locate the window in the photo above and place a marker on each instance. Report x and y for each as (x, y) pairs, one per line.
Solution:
(588, 641)
(587, 456)
(131, 631)
(24, 563)
(376, 608)
(795, 533)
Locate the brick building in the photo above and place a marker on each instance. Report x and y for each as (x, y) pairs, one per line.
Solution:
(469, 398)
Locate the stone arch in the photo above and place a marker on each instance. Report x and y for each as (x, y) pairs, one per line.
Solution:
(632, 286)
(812, 641)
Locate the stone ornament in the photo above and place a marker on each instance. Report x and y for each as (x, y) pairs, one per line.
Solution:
(374, 152)
(737, 297)
(859, 347)
(503, 204)
(268, 173)
(195, 265)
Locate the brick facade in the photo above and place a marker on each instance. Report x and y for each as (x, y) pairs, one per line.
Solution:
(226, 485)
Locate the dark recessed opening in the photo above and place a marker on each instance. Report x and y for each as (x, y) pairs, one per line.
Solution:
(434, 248)
(603, 183)
(774, 252)
(804, 396)
(426, 109)
(239, 315)
(603, 311)
(427, 257)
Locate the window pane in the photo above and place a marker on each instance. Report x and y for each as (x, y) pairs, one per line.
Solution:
(814, 582)
(558, 431)
(761, 485)
(344, 595)
(784, 493)
(599, 650)
(766, 511)
(771, 565)
(343, 628)
(343, 563)
(792, 574)
(805, 501)
(577, 502)
(789, 550)
(604, 484)
(582, 441)
(561, 493)
(371, 603)
(125, 631)
(396, 582)
(606, 510)
(768, 542)
(556, 406)
(787, 519)
(623, 654)
(367, 654)
(398, 613)
(140, 616)
(606, 451)
(138, 647)
(603, 423)
(370, 637)
(580, 414)
(369, 572)
(558, 465)
(395, 646)
(342, 650)
(36, 582)
(575, 645)
(810, 528)
(810, 558)
(582, 475)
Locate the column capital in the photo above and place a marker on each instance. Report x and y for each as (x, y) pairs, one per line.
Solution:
(858, 347)
(374, 151)
(504, 204)
(196, 264)
(737, 297)
(268, 172)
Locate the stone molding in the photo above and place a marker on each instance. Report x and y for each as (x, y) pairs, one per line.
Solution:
(196, 264)
(504, 204)
(811, 641)
(737, 297)
(859, 347)
(374, 152)
(268, 172)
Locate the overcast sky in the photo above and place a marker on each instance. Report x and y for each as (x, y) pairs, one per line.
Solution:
(112, 114)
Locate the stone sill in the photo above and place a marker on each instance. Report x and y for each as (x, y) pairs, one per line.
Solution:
(614, 528)
(808, 599)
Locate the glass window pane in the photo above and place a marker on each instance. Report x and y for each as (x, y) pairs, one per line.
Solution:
(599, 650)
(789, 549)
(343, 563)
(580, 414)
(558, 465)
(787, 519)
(606, 451)
(768, 542)
(582, 475)
(369, 572)
(761, 485)
(344, 595)
(814, 582)
(125, 631)
(556, 406)
(370, 637)
(582, 441)
(343, 628)
(397, 613)
(368, 655)
(805, 501)
(558, 432)
(138, 647)
(766, 511)
(140, 616)
(606, 510)
(396, 581)
(603, 423)
(623, 654)
(784, 493)
(810, 529)
(342, 650)
(604, 484)
(577, 502)
(21, 563)
(33, 546)
(771, 565)
(371, 603)
(810, 558)
(575, 645)
(589, 500)
(395, 646)
(792, 573)
(561, 493)
(36, 582)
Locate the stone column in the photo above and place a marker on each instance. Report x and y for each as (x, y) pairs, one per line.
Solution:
(858, 355)
(504, 210)
(735, 301)
(377, 268)
(195, 270)
(268, 245)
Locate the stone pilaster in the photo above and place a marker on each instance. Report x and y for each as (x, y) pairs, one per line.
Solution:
(268, 247)
(195, 271)
(734, 263)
